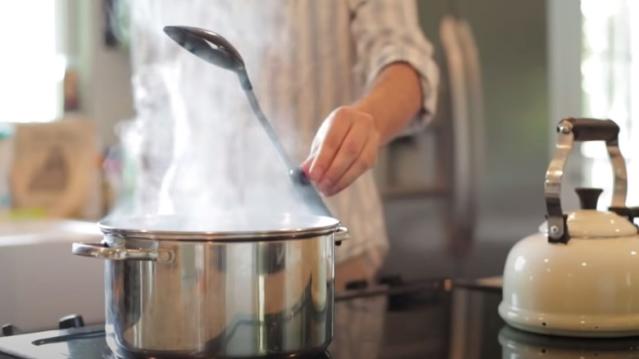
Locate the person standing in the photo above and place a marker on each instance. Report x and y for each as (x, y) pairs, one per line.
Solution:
(339, 79)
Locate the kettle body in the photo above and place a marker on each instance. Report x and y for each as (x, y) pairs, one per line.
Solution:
(583, 288)
(579, 275)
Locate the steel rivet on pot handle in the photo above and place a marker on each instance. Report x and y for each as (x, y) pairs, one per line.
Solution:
(581, 129)
(99, 250)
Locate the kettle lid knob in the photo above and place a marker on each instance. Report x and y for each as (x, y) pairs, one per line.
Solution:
(588, 197)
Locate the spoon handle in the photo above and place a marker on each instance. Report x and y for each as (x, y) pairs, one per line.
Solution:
(308, 193)
(302, 184)
(270, 131)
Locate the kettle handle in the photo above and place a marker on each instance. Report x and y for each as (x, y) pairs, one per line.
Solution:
(580, 129)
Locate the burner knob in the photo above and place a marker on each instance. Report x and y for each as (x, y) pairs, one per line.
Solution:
(71, 321)
(8, 330)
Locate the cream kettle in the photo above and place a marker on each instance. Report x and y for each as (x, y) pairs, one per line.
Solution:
(579, 276)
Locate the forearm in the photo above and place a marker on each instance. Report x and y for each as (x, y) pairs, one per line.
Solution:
(393, 100)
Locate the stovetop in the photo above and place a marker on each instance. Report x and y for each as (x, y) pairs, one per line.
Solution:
(439, 319)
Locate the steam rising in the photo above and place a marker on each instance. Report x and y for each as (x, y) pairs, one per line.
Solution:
(195, 147)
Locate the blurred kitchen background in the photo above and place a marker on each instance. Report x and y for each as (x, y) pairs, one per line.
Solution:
(473, 180)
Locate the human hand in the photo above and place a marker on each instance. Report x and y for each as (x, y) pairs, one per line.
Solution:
(345, 146)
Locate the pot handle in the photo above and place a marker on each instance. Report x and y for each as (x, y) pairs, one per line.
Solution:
(341, 234)
(569, 131)
(99, 250)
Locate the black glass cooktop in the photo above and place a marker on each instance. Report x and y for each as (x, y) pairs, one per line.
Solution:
(435, 319)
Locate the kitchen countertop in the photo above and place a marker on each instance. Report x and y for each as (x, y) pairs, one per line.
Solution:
(435, 319)
(401, 318)
(397, 320)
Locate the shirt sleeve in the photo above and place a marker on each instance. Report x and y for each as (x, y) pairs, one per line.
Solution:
(388, 31)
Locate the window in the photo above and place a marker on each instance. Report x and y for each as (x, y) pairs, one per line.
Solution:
(610, 84)
(31, 63)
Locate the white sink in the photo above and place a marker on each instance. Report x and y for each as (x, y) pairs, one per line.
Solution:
(41, 281)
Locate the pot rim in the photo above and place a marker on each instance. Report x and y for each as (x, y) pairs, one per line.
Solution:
(330, 226)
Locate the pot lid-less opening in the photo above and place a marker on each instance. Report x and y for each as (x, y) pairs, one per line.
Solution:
(218, 228)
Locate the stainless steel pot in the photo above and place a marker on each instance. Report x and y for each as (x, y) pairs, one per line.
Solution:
(230, 293)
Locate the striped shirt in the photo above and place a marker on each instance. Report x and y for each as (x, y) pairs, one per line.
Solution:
(305, 58)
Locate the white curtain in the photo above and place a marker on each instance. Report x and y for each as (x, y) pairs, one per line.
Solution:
(610, 85)
(31, 63)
